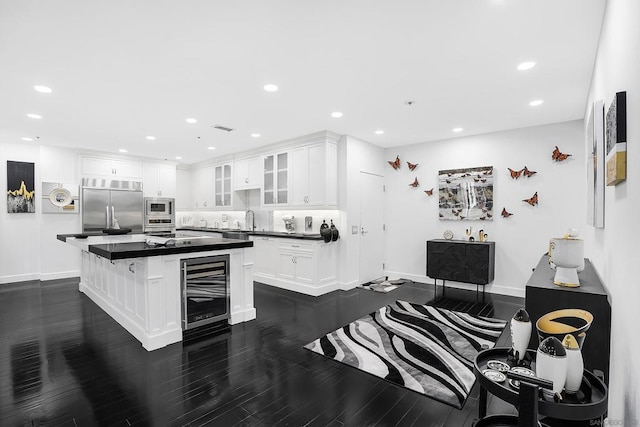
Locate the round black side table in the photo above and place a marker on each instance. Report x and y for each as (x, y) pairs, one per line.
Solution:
(594, 404)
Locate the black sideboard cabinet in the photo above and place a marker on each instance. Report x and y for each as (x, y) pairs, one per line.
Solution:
(542, 297)
(461, 261)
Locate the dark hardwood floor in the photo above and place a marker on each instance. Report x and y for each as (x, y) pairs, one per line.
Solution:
(64, 362)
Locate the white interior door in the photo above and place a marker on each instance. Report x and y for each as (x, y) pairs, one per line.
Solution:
(371, 223)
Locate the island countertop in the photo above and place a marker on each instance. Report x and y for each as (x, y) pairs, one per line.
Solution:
(136, 246)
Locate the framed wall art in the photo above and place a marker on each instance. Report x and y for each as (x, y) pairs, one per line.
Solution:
(466, 194)
(616, 138)
(596, 165)
(20, 187)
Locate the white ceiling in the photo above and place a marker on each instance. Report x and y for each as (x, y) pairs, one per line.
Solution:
(123, 70)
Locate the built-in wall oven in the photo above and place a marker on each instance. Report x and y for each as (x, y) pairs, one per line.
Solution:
(205, 290)
(159, 215)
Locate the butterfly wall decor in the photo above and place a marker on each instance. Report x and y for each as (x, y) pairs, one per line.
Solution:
(533, 200)
(506, 214)
(558, 156)
(528, 173)
(396, 163)
(415, 183)
(515, 174)
(412, 166)
(429, 192)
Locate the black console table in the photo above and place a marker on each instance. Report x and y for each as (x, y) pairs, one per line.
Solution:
(461, 261)
(542, 297)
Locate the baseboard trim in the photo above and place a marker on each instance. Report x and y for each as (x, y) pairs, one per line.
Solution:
(347, 286)
(19, 278)
(296, 287)
(59, 275)
(492, 288)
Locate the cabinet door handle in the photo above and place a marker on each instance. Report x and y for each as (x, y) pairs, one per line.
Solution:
(132, 268)
(295, 246)
(246, 180)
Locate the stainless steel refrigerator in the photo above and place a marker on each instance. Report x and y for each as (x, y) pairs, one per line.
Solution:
(106, 203)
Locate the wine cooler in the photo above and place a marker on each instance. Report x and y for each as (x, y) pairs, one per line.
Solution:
(205, 290)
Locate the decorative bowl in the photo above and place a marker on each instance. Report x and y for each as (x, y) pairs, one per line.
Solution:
(562, 322)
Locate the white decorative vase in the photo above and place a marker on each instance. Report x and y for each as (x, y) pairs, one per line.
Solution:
(520, 333)
(575, 364)
(551, 364)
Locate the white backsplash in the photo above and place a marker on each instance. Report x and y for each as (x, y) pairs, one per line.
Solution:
(265, 220)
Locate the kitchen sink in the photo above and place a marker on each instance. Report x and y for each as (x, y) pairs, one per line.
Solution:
(235, 235)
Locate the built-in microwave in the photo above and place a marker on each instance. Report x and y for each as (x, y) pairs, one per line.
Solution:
(155, 206)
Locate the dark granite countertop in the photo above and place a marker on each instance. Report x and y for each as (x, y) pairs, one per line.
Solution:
(257, 233)
(114, 251)
(137, 249)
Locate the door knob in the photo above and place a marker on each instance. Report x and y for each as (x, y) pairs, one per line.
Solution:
(363, 231)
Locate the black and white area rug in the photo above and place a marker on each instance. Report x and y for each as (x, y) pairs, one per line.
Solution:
(384, 284)
(423, 348)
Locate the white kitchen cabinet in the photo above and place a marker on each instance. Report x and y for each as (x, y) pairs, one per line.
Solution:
(222, 185)
(266, 257)
(313, 176)
(159, 180)
(247, 173)
(113, 168)
(305, 266)
(202, 188)
(275, 179)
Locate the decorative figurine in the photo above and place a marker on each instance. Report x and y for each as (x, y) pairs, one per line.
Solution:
(575, 364)
(551, 364)
(520, 333)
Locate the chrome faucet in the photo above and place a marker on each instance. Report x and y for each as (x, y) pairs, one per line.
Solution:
(249, 220)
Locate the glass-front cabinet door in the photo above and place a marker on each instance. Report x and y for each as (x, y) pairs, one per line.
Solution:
(222, 185)
(276, 179)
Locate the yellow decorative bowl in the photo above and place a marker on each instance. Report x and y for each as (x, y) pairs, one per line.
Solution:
(562, 322)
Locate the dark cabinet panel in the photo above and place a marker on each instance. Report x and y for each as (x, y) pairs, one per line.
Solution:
(460, 261)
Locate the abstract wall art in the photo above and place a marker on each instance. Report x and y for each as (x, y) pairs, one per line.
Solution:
(616, 138)
(466, 194)
(20, 187)
(595, 165)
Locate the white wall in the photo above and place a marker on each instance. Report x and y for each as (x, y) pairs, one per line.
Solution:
(29, 248)
(614, 249)
(411, 216)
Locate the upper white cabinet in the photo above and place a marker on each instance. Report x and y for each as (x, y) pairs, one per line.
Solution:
(247, 173)
(276, 179)
(202, 187)
(159, 180)
(314, 175)
(222, 192)
(114, 168)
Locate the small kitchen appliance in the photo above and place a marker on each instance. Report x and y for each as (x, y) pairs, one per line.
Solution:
(289, 225)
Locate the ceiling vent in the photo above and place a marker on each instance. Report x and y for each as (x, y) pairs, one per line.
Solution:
(224, 128)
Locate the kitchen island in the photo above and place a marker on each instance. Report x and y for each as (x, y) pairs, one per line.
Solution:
(138, 282)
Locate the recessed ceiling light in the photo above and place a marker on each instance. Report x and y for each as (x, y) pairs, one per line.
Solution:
(379, 132)
(211, 148)
(122, 150)
(536, 102)
(526, 65)
(151, 138)
(271, 87)
(178, 158)
(26, 138)
(34, 116)
(191, 120)
(336, 114)
(255, 135)
(456, 130)
(43, 89)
